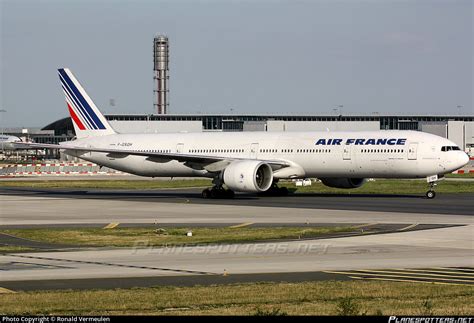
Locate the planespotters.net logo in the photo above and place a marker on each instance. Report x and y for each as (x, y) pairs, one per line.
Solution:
(408, 319)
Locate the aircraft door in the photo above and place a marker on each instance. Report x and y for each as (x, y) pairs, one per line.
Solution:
(412, 151)
(254, 150)
(346, 153)
(180, 148)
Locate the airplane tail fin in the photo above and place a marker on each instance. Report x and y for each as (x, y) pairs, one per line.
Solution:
(88, 121)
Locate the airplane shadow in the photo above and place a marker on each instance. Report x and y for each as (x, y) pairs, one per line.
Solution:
(359, 195)
(121, 194)
(180, 194)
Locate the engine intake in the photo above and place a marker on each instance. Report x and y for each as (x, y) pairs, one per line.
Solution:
(251, 176)
(343, 182)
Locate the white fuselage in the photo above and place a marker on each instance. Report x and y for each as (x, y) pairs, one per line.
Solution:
(388, 154)
(7, 142)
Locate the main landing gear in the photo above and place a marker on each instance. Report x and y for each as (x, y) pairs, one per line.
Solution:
(217, 191)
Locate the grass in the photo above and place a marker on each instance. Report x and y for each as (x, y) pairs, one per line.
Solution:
(378, 186)
(15, 249)
(145, 237)
(109, 184)
(308, 298)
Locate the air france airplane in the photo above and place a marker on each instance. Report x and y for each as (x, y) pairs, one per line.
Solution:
(8, 142)
(255, 161)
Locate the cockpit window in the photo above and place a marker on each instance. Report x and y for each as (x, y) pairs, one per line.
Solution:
(449, 148)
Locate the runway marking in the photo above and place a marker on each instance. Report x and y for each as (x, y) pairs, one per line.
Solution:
(411, 226)
(365, 225)
(413, 275)
(246, 224)
(408, 281)
(111, 225)
(409, 273)
(113, 264)
(6, 291)
(402, 276)
(434, 270)
(457, 268)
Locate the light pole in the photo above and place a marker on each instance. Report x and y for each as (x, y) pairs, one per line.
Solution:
(1, 119)
(338, 109)
(1, 126)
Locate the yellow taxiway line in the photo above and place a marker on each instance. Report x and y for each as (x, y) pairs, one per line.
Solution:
(409, 281)
(434, 271)
(111, 225)
(351, 273)
(411, 226)
(390, 271)
(246, 224)
(6, 291)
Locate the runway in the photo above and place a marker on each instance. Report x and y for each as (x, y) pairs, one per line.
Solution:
(445, 247)
(331, 258)
(442, 204)
(52, 207)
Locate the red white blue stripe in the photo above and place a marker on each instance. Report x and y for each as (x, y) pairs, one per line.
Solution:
(81, 111)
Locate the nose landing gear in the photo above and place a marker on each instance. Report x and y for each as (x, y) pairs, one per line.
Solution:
(432, 181)
(431, 194)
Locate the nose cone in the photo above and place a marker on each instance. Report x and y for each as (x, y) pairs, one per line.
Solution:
(463, 160)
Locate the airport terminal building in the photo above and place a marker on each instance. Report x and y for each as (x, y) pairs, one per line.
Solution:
(457, 128)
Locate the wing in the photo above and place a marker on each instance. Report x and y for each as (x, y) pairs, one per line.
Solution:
(209, 163)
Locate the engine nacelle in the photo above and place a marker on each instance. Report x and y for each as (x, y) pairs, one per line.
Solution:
(251, 176)
(343, 182)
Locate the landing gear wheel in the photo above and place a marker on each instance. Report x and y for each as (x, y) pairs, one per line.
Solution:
(217, 193)
(229, 194)
(283, 191)
(431, 194)
(206, 193)
(275, 190)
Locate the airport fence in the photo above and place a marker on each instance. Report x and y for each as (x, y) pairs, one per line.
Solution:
(469, 168)
(56, 169)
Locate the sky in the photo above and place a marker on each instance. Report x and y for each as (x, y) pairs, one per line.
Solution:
(242, 57)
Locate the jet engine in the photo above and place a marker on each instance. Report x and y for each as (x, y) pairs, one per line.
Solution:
(343, 182)
(251, 176)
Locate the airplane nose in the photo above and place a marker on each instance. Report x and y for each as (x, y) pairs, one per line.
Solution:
(464, 160)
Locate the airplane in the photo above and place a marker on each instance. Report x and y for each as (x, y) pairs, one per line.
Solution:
(254, 162)
(8, 142)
